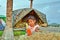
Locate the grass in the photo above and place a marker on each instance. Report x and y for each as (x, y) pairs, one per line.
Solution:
(42, 36)
(1, 32)
(19, 32)
(16, 32)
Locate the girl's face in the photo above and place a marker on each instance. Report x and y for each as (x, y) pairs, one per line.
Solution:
(31, 22)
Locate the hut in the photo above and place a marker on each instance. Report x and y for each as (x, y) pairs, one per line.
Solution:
(20, 16)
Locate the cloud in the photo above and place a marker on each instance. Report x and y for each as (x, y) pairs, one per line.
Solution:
(20, 4)
(44, 1)
(3, 7)
(0, 5)
(58, 11)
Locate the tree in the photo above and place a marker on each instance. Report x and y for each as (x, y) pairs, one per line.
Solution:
(8, 32)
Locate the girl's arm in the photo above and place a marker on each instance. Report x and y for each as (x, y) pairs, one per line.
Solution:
(37, 29)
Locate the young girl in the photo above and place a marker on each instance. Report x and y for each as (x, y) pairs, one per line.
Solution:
(32, 26)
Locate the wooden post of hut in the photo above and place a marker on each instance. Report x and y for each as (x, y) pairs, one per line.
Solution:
(31, 3)
(8, 32)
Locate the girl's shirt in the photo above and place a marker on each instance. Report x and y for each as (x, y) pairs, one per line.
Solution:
(33, 28)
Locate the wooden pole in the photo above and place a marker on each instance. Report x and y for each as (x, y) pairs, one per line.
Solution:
(8, 32)
(9, 13)
(31, 3)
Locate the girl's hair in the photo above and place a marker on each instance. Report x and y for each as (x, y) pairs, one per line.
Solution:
(31, 17)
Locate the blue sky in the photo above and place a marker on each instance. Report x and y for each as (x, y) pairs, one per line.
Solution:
(49, 7)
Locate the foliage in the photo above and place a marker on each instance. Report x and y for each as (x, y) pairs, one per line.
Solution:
(54, 25)
(3, 17)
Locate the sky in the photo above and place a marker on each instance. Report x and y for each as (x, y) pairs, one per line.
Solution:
(49, 7)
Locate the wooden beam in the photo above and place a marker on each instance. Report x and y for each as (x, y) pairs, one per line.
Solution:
(9, 13)
(8, 31)
(31, 3)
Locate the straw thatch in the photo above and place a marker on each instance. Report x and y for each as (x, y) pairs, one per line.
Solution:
(21, 13)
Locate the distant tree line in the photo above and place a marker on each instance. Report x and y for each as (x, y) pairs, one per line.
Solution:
(54, 25)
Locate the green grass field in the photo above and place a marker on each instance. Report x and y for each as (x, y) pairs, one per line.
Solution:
(16, 32)
(19, 32)
(1, 32)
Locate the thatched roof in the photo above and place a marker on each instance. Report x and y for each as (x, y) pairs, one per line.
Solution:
(23, 12)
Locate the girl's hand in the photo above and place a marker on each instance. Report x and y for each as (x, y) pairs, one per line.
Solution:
(37, 29)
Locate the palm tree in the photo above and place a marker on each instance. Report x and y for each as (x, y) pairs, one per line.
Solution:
(8, 32)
